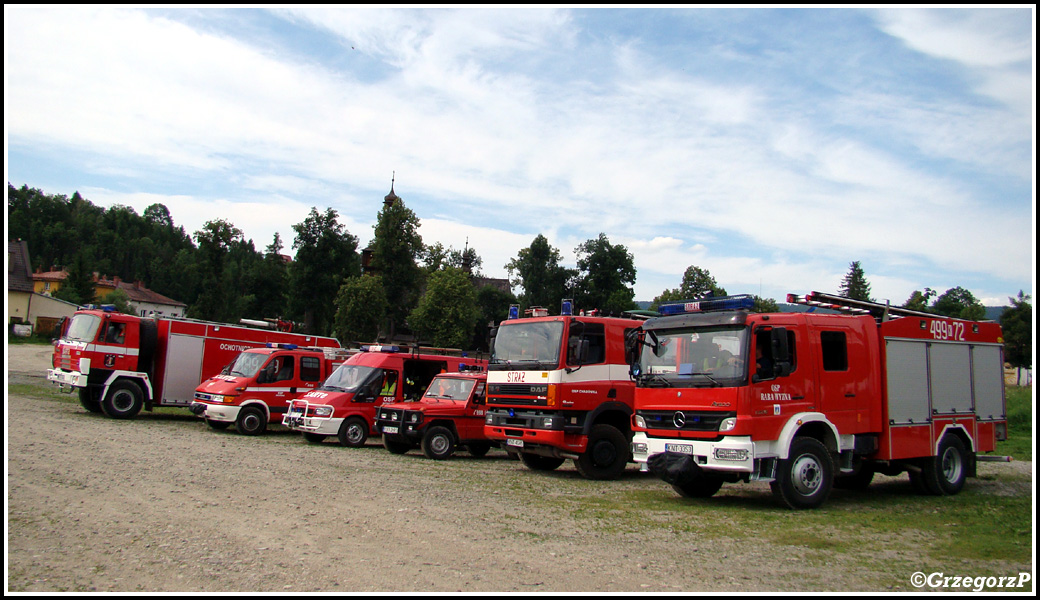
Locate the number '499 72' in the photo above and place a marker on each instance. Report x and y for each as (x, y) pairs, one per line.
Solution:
(942, 330)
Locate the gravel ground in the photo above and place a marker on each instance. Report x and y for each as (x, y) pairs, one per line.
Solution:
(162, 503)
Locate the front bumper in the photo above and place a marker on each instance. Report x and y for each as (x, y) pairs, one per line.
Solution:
(215, 412)
(735, 454)
(67, 378)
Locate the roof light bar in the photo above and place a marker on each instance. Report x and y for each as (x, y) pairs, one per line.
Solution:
(737, 302)
(380, 348)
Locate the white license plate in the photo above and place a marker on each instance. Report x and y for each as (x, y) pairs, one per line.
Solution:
(389, 429)
(515, 443)
(680, 448)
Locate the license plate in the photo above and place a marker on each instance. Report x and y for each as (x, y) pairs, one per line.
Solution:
(515, 443)
(389, 429)
(680, 448)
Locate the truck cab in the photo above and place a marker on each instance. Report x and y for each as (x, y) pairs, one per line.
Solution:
(450, 414)
(256, 388)
(345, 405)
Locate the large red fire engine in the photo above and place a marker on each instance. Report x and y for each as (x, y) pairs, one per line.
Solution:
(257, 387)
(121, 363)
(810, 401)
(450, 414)
(345, 404)
(558, 389)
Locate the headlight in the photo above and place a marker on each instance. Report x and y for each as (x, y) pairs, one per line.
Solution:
(415, 417)
(728, 424)
(323, 411)
(640, 422)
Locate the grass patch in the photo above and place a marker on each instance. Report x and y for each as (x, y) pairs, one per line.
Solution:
(1019, 444)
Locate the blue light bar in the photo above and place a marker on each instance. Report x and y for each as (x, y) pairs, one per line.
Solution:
(567, 307)
(737, 302)
(514, 311)
(380, 348)
(282, 345)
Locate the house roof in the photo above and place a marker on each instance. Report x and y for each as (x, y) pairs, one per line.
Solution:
(136, 292)
(19, 270)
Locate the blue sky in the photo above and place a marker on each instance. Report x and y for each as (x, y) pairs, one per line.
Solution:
(772, 147)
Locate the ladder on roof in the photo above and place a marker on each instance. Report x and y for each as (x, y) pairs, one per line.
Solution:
(882, 312)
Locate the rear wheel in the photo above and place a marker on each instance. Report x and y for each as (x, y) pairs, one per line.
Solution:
(540, 463)
(314, 438)
(606, 454)
(396, 446)
(218, 425)
(353, 433)
(124, 400)
(438, 443)
(251, 421)
(858, 481)
(946, 473)
(90, 399)
(804, 479)
(479, 449)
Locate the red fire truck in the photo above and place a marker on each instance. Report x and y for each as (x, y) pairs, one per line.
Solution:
(558, 389)
(121, 363)
(810, 401)
(450, 414)
(345, 404)
(256, 388)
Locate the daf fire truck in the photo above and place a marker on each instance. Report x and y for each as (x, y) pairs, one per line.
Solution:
(345, 404)
(449, 415)
(810, 401)
(256, 388)
(558, 389)
(121, 363)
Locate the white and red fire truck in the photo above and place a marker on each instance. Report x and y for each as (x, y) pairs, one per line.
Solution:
(558, 389)
(449, 415)
(810, 401)
(345, 404)
(257, 387)
(122, 363)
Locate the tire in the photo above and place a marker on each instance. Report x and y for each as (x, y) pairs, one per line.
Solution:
(218, 425)
(124, 400)
(353, 433)
(804, 479)
(479, 449)
(540, 463)
(251, 421)
(88, 399)
(945, 474)
(606, 454)
(396, 446)
(314, 438)
(438, 443)
(702, 487)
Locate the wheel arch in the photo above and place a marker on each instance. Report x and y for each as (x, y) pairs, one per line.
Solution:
(813, 425)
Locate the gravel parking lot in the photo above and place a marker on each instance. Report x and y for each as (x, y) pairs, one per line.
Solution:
(163, 503)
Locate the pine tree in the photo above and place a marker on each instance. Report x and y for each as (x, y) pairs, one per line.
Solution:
(855, 285)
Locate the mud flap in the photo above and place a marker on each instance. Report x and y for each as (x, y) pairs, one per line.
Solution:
(673, 467)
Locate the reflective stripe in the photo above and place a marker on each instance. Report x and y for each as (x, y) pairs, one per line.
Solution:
(114, 349)
(269, 389)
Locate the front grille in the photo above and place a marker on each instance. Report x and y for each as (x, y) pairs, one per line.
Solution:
(691, 420)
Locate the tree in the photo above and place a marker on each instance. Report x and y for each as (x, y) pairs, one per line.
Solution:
(1017, 325)
(959, 303)
(269, 281)
(120, 300)
(447, 312)
(492, 308)
(538, 272)
(326, 255)
(396, 249)
(765, 305)
(606, 272)
(216, 301)
(855, 285)
(696, 283)
(361, 308)
(918, 300)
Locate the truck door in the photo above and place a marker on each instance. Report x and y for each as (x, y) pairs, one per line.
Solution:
(277, 382)
(778, 388)
(471, 426)
(311, 374)
(843, 368)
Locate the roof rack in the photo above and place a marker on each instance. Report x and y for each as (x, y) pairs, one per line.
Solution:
(883, 312)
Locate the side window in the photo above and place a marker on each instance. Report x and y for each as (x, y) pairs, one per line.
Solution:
(285, 370)
(834, 349)
(310, 368)
(593, 333)
(115, 333)
(389, 387)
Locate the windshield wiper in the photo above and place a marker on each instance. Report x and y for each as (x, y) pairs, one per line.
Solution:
(655, 380)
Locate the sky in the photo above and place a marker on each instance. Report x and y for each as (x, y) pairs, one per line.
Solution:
(772, 147)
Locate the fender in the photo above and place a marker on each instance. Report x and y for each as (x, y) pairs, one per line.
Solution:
(141, 378)
(797, 422)
(594, 414)
(947, 429)
(256, 402)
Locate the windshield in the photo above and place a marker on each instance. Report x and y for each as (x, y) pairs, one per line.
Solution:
(247, 364)
(447, 388)
(693, 357)
(348, 378)
(535, 343)
(83, 328)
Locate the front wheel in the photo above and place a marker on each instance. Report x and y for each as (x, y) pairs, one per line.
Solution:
(540, 463)
(314, 438)
(704, 486)
(218, 425)
(478, 449)
(804, 479)
(124, 400)
(606, 454)
(251, 421)
(89, 399)
(396, 446)
(353, 433)
(438, 443)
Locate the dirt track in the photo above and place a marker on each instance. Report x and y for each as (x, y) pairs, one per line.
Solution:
(162, 503)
